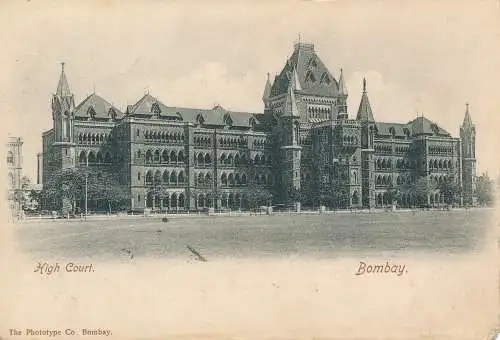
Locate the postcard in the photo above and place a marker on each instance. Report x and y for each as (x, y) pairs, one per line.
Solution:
(250, 170)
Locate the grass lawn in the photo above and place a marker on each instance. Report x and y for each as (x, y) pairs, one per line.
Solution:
(319, 236)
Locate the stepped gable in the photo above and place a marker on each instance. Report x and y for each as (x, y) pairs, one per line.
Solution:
(94, 106)
(312, 77)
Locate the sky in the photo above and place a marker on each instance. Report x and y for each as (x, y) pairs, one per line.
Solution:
(427, 58)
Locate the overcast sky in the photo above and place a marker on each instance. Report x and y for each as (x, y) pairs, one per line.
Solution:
(425, 57)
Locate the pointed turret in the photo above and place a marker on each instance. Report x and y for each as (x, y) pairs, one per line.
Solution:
(63, 87)
(267, 89)
(295, 80)
(342, 86)
(365, 110)
(467, 123)
(291, 105)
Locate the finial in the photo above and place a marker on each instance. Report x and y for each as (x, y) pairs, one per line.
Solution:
(62, 66)
(466, 107)
(299, 37)
(364, 84)
(268, 76)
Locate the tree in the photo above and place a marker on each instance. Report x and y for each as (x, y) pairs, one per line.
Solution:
(450, 189)
(422, 189)
(484, 190)
(68, 186)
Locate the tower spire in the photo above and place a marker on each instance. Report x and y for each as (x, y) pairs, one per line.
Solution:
(365, 110)
(342, 86)
(62, 86)
(467, 119)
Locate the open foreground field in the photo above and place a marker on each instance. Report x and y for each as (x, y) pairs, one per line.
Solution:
(317, 236)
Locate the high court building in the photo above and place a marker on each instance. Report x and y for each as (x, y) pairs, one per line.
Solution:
(175, 158)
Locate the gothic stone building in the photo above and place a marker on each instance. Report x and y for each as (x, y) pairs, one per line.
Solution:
(15, 170)
(173, 158)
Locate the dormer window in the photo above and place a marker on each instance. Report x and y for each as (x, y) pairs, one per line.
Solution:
(392, 131)
(228, 121)
(112, 113)
(435, 129)
(312, 62)
(325, 79)
(310, 77)
(91, 112)
(155, 109)
(406, 131)
(252, 122)
(200, 120)
(179, 116)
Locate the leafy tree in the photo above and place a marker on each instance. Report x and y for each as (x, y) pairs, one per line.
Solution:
(484, 190)
(450, 189)
(421, 189)
(68, 186)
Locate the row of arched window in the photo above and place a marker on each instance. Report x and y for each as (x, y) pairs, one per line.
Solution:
(202, 141)
(167, 177)
(162, 157)
(169, 201)
(231, 180)
(261, 143)
(383, 148)
(306, 140)
(438, 180)
(232, 142)
(165, 137)
(93, 138)
(440, 149)
(236, 160)
(402, 149)
(94, 157)
(350, 139)
(441, 164)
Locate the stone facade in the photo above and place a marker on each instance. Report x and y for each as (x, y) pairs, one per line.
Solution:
(173, 158)
(15, 170)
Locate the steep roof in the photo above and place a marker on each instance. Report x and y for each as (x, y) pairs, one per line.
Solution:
(97, 105)
(342, 86)
(365, 110)
(312, 77)
(422, 125)
(467, 123)
(267, 89)
(63, 86)
(418, 126)
(215, 116)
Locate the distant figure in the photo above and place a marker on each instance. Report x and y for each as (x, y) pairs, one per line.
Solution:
(164, 219)
(129, 252)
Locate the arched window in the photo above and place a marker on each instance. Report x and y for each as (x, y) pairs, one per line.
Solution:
(158, 176)
(173, 156)
(199, 119)
(223, 179)
(164, 156)
(180, 157)
(155, 109)
(208, 159)
(12, 182)
(228, 121)
(139, 176)
(181, 177)
(173, 177)
(91, 157)
(149, 177)
(83, 157)
(201, 179)
(157, 156)
(149, 157)
(165, 176)
(200, 159)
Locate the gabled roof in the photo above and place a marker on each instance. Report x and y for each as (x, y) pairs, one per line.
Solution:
(365, 110)
(312, 76)
(214, 116)
(145, 106)
(99, 105)
(387, 129)
(422, 125)
(416, 127)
